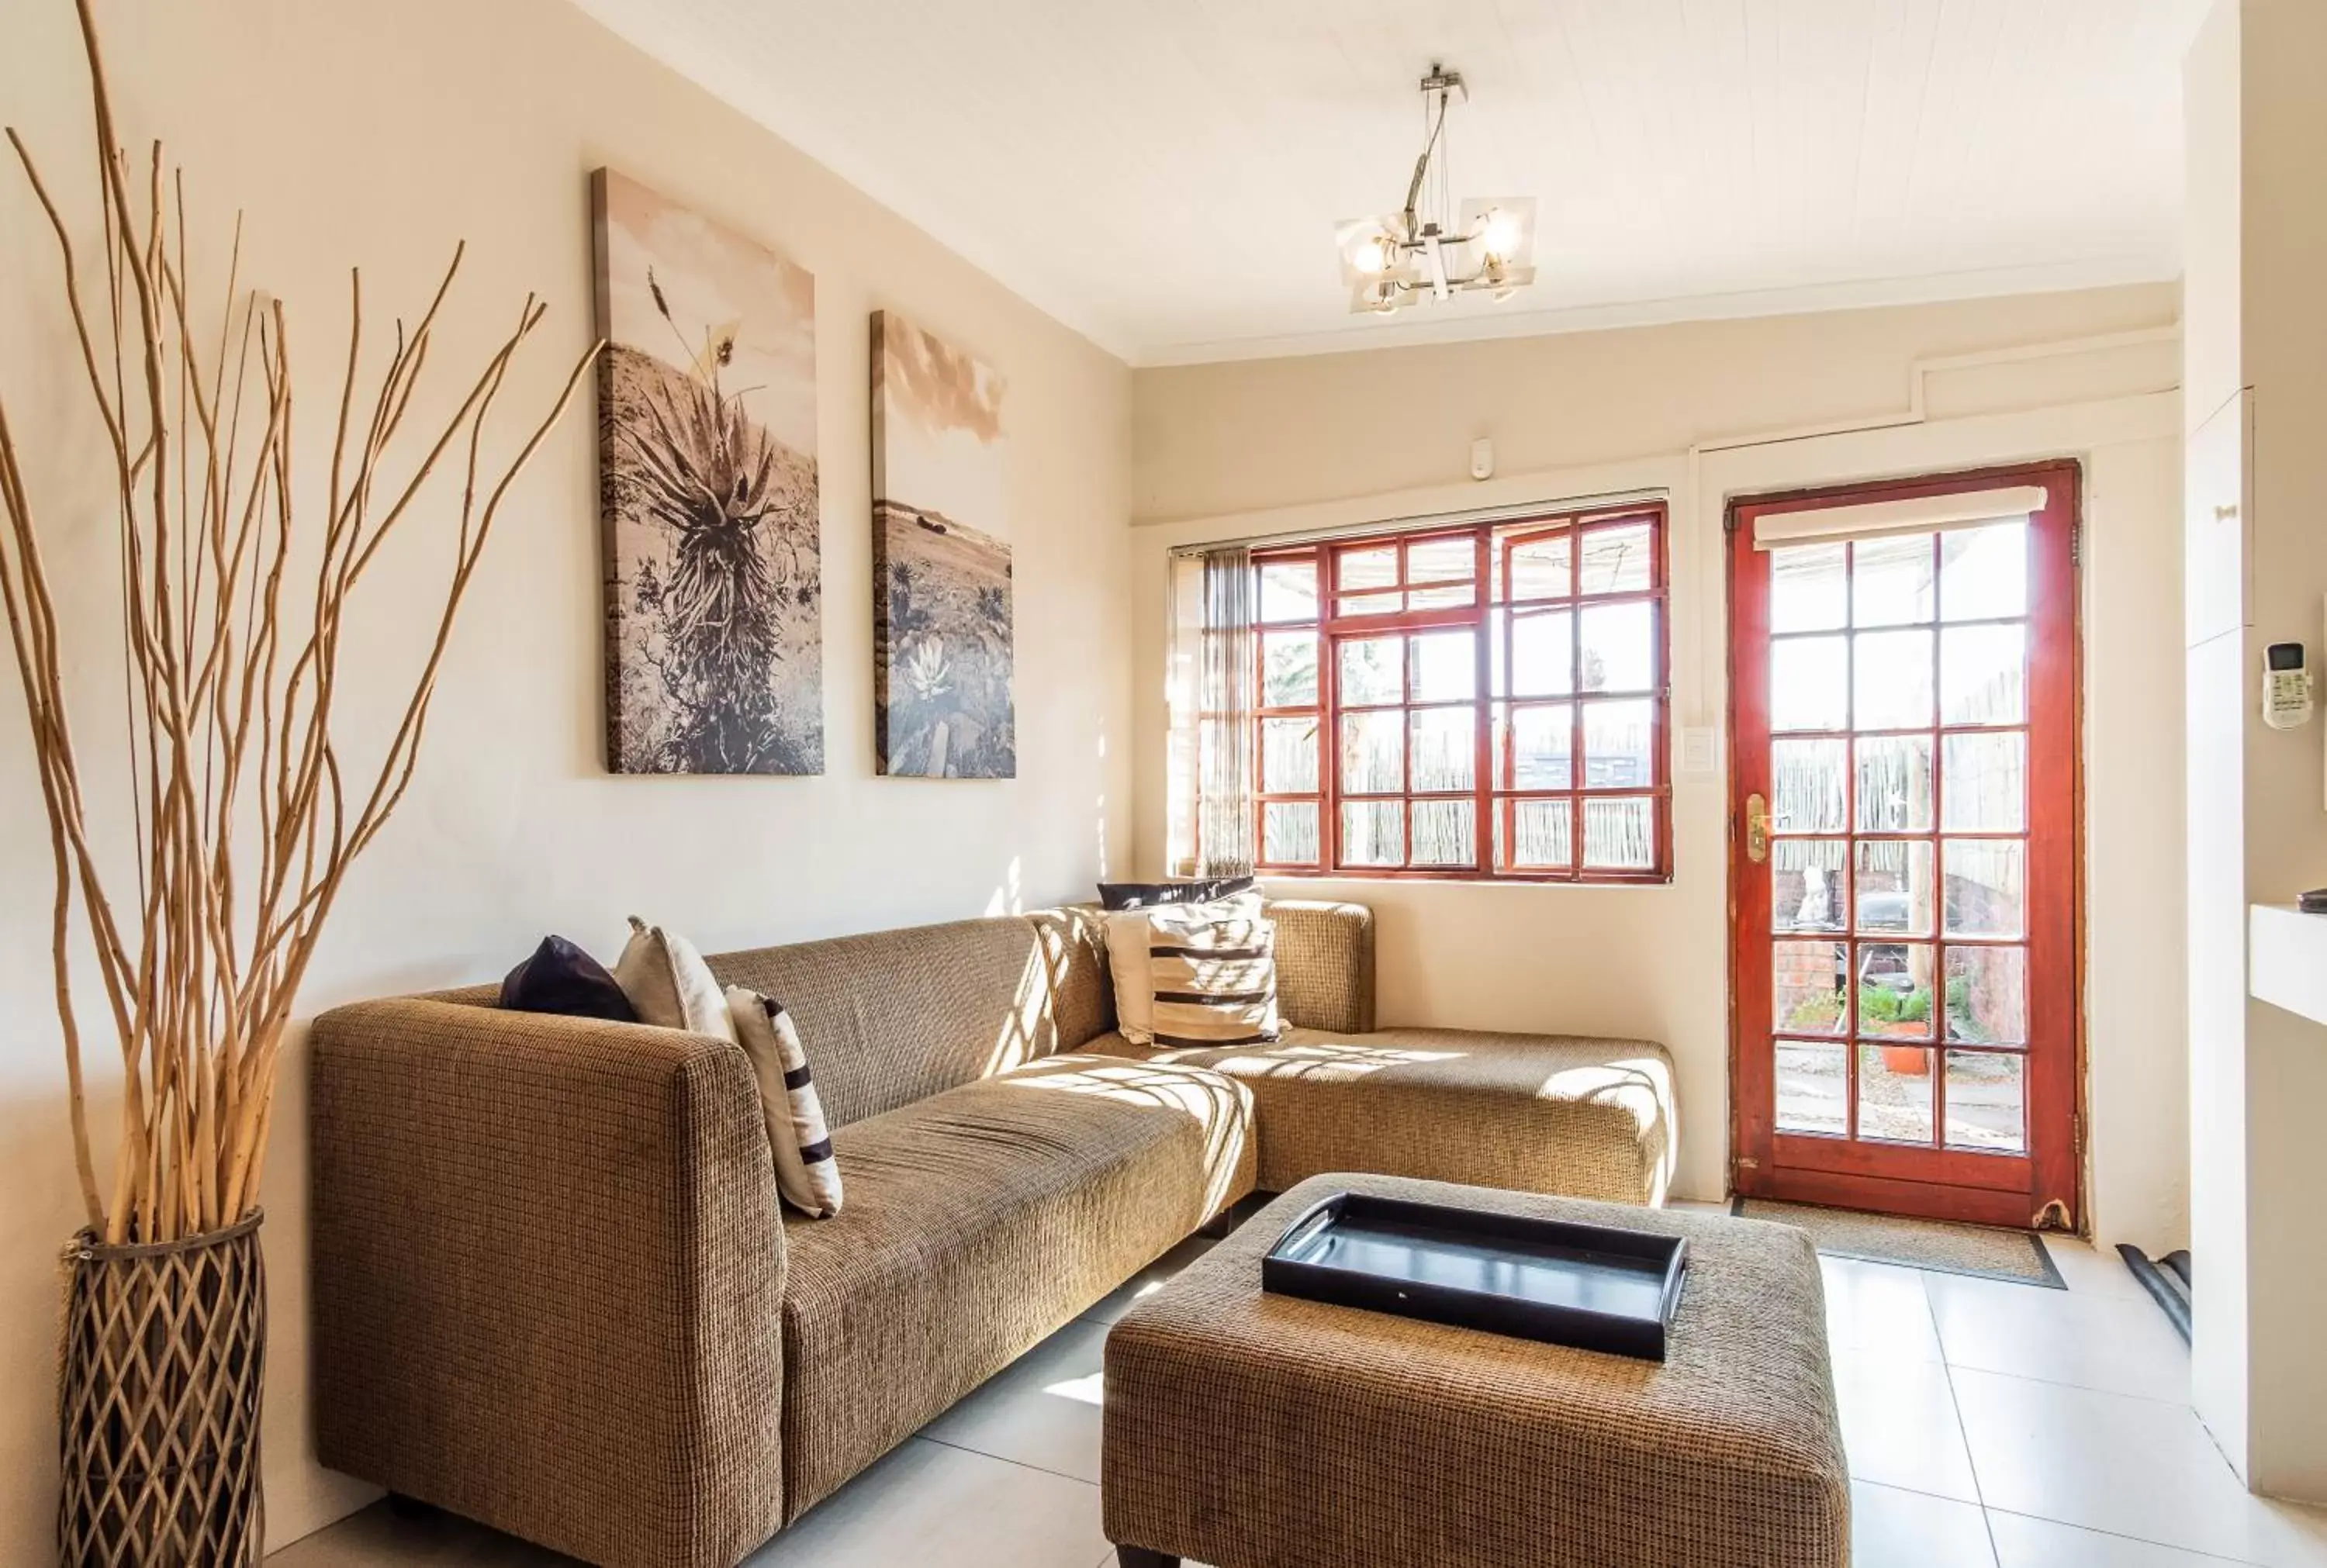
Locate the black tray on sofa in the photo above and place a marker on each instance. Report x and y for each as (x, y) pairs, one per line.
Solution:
(1596, 1287)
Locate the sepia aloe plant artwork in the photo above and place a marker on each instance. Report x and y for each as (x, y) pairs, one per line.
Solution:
(201, 878)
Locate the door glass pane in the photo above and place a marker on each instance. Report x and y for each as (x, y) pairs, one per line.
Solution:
(1544, 830)
(1806, 984)
(1542, 741)
(1984, 573)
(1288, 669)
(1288, 591)
(1893, 889)
(1373, 752)
(1893, 685)
(1894, 1093)
(1288, 832)
(1445, 743)
(1616, 560)
(1813, 1087)
(1288, 756)
(1808, 590)
(1895, 990)
(1987, 783)
(1541, 568)
(1985, 887)
(1620, 835)
(1987, 996)
(1543, 655)
(1373, 833)
(1809, 789)
(1440, 561)
(1805, 889)
(1894, 784)
(1986, 1101)
(1375, 566)
(1810, 683)
(1445, 666)
(1984, 674)
(1619, 746)
(1370, 671)
(1445, 833)
(1620, 647)
(1892, 582)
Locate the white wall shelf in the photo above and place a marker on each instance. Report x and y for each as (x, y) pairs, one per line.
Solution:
(2287, 959)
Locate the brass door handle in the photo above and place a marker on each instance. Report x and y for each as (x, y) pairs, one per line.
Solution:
(1757, 829)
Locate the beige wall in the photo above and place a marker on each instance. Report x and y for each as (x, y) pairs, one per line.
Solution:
(1247, 450)
(381, 134)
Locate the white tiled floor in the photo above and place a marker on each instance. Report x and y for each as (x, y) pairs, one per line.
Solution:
(1988, 1425)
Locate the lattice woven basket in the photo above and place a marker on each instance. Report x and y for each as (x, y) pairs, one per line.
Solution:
(163, 1359)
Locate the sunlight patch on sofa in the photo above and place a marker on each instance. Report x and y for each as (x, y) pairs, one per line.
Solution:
(1024, 1029)
(1334, 1062)
(1219, 1108)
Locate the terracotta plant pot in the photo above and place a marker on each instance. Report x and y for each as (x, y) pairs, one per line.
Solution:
(164, 1357)
(1906, 1060)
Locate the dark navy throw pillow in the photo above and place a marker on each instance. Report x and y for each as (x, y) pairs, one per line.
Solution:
(560, 978)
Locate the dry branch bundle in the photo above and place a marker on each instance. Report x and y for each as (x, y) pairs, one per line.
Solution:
(233, 665)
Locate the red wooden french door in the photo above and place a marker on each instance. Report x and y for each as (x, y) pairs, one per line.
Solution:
(1903, 847)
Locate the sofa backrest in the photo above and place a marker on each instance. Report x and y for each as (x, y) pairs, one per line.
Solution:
(893, 1017)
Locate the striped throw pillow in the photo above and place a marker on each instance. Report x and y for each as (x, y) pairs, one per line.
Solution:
(1212, 972)
(807, 1175)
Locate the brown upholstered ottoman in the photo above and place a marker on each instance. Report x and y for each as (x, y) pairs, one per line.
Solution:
(1255, 1430)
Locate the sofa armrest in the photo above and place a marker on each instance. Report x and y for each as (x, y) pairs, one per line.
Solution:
(548, 1274)
(1324, 965)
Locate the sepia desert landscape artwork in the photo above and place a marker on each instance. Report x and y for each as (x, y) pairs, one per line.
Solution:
(941, 577)
(706, 432)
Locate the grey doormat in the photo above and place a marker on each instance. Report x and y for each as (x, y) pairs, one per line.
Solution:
(2015, 1255)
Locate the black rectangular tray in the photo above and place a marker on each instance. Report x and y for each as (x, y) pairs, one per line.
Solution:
(1591, 1286)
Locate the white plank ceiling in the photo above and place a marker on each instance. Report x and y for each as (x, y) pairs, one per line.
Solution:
(1165, 175)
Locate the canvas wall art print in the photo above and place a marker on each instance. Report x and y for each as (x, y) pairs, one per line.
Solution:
(943, 658)
(707, 429)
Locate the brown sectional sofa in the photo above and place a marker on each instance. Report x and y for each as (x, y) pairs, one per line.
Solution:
(553, 1290)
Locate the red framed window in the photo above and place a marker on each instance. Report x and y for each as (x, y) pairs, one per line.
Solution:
(1485, 701)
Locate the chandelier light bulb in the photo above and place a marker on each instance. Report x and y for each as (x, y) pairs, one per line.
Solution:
(1370, 255)
(1503, 234)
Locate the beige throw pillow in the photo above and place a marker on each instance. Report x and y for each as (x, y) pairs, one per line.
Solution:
(807, 1175)
(1126, 967)
(668, 984)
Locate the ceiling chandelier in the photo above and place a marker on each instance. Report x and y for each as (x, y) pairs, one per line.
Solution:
(1416, 253)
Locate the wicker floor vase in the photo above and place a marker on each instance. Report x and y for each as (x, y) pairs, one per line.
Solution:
(165, 1355)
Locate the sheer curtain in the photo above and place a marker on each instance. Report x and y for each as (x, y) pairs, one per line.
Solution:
(1212, 680)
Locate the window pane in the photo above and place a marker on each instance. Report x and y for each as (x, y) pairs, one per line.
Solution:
(1373, 752)
(1894, 1093)
(1375, 566)
(1810, 683)
(1894, 784)
(1619, 749)
(1540, 568)
(1984, 674)
(1619, 648)
(1987, 783)
(1446, 833)
(1806, 986)
(1806, 890)
(1440, 598)
(1288, 756)
(1288, 832)
(1813, 1088)
(1441, 561)
(1985, 887)
(1893, 685)
(1807, 786)
(1808, 590)
(1984, 573)
(1545, 830)
(1288, 669)
(1620, 835)
(1616, 560)
(1370, 672)
(1445, 666)
(1543, 655)
(1892, 582)
(1987, 994)
(1986, 1101)
(1895, 990)
(1445, 743)
(1893, 889)
(1388, 603)
(1543, 740)
(1372, 833)
(1288, 591)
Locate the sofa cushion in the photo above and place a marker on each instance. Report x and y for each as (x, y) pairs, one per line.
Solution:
(1556, 1113)
(980, 1221)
